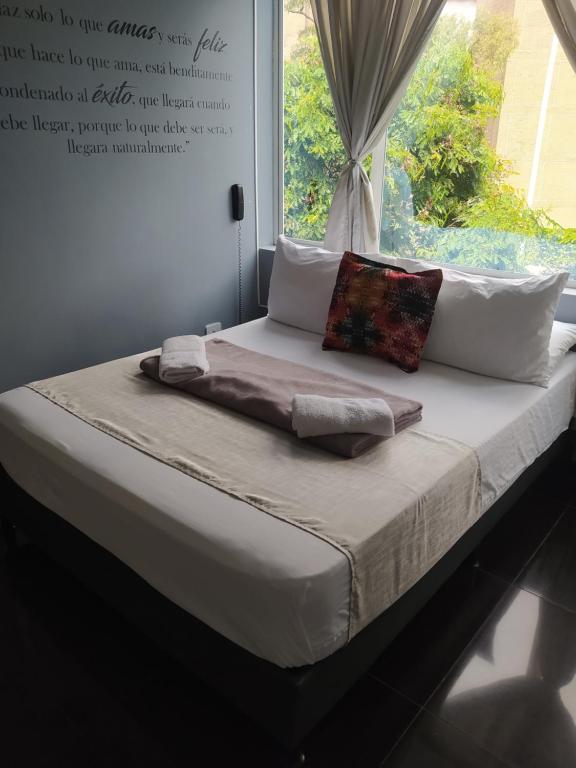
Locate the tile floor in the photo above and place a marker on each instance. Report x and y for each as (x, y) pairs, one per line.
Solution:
(484, 677)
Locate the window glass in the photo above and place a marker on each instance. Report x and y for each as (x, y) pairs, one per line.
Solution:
(480, 167)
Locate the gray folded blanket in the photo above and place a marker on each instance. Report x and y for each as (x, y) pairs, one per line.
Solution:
(263, 387)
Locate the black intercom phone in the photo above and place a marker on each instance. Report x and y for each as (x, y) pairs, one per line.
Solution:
(237, 199)
(237, 191)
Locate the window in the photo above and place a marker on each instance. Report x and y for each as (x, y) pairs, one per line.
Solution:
(479, 167)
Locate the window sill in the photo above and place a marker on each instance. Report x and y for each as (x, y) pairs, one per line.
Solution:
(571, 287)
(566, 309)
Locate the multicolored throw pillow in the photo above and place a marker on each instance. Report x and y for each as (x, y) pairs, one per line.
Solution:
(381, 310)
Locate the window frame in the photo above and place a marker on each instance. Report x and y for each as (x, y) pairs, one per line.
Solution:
(278, 98)
(377, 175)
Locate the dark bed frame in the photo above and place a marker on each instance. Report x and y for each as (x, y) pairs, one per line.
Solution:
(287, 703)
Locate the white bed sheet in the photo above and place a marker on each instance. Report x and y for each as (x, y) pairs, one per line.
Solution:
(268, 586)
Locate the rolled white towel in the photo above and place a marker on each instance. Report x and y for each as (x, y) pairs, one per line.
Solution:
(183, 358)
(314, 415)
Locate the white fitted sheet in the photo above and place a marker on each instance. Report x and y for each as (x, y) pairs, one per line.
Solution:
(272, 588)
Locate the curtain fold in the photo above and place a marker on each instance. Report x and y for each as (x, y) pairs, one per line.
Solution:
(370, 49)
(562, 14)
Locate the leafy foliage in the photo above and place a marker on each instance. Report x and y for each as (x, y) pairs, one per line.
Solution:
(313, 151)
(446, 195)
(437, 136)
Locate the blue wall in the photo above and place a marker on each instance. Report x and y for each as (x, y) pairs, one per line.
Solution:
(105, 253)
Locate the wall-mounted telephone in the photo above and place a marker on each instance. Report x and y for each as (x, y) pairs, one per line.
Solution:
(237, 197)
(237, 191)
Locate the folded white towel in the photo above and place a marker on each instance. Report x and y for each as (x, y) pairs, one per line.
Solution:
(314, 415)
(183, 358)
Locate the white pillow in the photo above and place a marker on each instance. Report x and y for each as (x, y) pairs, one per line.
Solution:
(302, 283)
(495, 326)
(562, 340)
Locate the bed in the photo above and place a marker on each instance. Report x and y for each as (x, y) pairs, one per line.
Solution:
(255, 605)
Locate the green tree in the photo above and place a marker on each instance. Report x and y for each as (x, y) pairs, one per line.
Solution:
(437, 135)
(313, 151)
(443, 171)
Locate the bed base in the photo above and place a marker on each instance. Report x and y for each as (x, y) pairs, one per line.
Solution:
(287, 703)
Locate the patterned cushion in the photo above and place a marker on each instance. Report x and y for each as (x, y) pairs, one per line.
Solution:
(382, 310)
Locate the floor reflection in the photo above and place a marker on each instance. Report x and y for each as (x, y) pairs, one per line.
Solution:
(515, 693)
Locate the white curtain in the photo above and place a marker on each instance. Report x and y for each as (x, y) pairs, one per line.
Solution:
(562, 14)
(369, 49)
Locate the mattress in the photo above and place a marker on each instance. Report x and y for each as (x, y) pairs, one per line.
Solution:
(270, 587)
